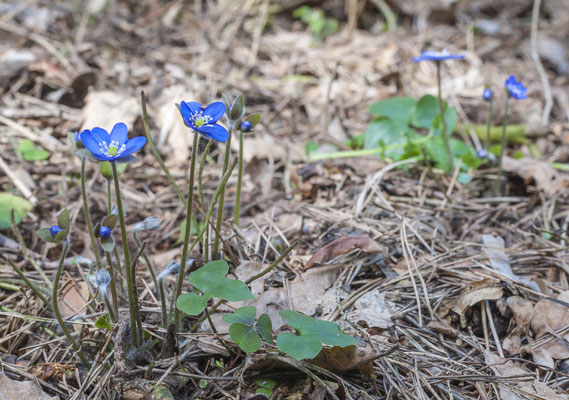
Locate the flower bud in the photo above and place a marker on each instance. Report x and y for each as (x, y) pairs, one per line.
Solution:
(104, 231)
(171, 269)
(487, 94)
(246, 126)
(54, 230)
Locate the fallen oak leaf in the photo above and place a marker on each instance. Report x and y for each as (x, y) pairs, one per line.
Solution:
(474, 293)
(342, 246)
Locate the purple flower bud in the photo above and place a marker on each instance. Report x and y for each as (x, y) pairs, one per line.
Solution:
(482, 153)
(104, 231)
(246, 126)
(54, 230)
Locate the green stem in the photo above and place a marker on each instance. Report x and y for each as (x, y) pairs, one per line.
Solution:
(135, 292)
(189, 207)
(163, 304)
(216, 196)
(87, 213)
(155, 151)
(489, 124)
(200, 191)
(312, 157)
(239, 180)
(70, 339)
(27, 281)
(222, 197)
(24, 248)
(113, 272)
(113, 285)
(146, 261)
(442, 115)
(131, 284)
(497, 189)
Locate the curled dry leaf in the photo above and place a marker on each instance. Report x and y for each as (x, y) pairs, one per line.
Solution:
(15, 390)
(517, 389)
(523, 313)
(342, 246)
(550, 316)
(344, 359)
(546, 178)
(474, 293)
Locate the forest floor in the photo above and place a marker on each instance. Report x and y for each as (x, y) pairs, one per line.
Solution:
(452, 292)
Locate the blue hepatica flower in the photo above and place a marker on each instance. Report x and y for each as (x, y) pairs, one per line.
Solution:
(487, 94)
(482, 153)
(515, 88)
(430, 55)
(54, 230)
(112, 146)
(204, 119)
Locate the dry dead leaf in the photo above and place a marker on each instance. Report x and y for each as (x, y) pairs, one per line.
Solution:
(343, 359)
(105, 108)
(523, 312)
(15, 390)
(373, 310)
(75, 297)
(545, 176)
(342, 246)
(516, 389)
(549, 316)
(474, 293)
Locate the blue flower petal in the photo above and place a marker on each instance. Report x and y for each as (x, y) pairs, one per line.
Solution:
(215, 131)
(215, 111)
(90, 143)
(119, 133)
(100, 135)
(188, 109)
(430, 55)
(133, 145)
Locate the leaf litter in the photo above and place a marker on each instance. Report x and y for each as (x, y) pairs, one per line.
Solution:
(434, 314)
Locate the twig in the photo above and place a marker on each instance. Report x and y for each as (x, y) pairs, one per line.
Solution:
(535, 55)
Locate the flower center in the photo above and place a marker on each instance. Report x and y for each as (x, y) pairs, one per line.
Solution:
(198, 119)
(112, 149)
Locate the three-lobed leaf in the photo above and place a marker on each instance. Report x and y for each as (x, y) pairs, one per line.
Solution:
(245, 332)
(211, 280)
(192, 303)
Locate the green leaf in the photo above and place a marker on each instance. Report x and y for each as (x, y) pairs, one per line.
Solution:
(109, 221)
(191, 303)
(312, 328)
(20, 206)
(310, 147)
(211, 280)
(464, 178)
(30, 152)
(237, 109)
(45, 235)
(246, 337)
(63, 219)
(243, 315)
(399, 109)
(253, 119)
(85, 153)
(264, 327)
(266, 386)
(103, 323)
(108, 244)
(298, 347)
(426, 111)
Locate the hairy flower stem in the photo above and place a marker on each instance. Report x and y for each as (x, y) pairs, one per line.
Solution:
(442, 115)
(155, 151)
(498, 187)
(112, 270)
(146, 261)
(87, 213)
(24, 249)
(489, 123)
(216, 196)
(70, 339)
(113, 286)
(27, 281)
(222, 197)
(239, 180)
(130, 282)
(189, 207)
(163, 304)
(202, 201)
